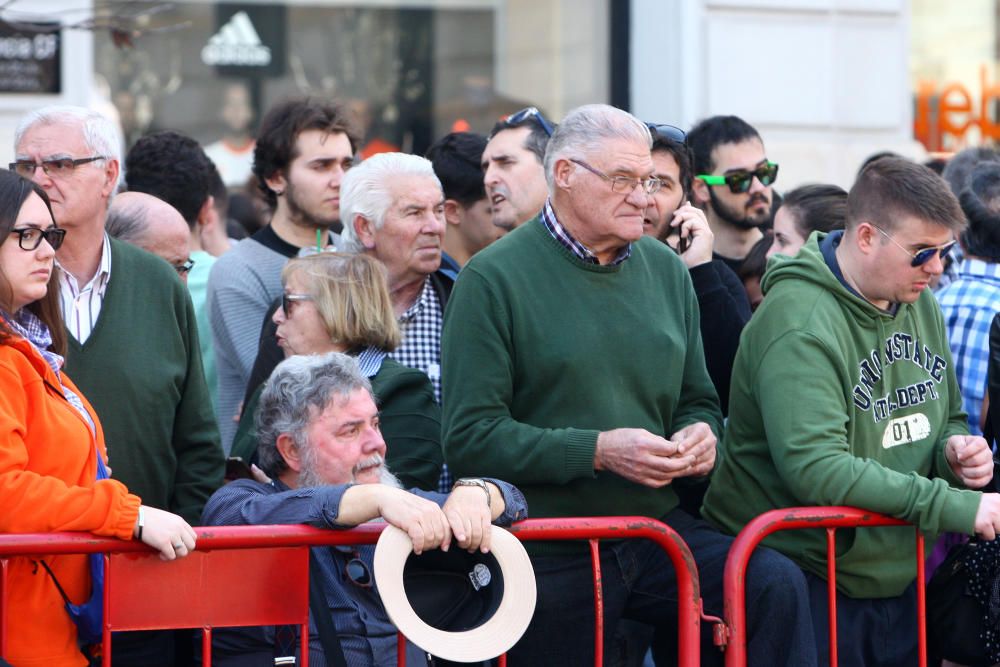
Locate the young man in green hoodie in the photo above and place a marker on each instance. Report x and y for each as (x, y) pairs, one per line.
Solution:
(844, 393)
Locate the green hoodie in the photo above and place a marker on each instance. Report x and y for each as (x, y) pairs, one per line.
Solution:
(835, 402)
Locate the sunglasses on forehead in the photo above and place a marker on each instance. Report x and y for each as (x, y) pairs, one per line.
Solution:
(529, 113)
(739, 180)
(667, 133)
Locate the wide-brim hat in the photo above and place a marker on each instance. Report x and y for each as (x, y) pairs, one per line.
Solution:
(452, 604)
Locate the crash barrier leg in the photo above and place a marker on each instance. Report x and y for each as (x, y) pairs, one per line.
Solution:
(734, 636)
(262, 575)
(593, 529)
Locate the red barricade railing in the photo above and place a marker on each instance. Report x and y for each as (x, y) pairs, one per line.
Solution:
(829, 518)
(261, 573)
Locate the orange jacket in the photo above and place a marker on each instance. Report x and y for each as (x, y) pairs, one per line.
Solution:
(48, 470)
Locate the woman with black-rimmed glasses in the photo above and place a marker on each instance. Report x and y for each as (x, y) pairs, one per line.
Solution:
(53, 475)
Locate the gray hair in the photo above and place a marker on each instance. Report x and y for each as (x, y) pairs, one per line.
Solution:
(99, 132)
(127, 223)
(582, 131)
(299, 387)
(367, 190)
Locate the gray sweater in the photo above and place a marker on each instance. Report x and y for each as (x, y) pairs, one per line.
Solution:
(242, 285)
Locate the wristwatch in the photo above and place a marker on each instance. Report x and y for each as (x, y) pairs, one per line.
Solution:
(474, 481)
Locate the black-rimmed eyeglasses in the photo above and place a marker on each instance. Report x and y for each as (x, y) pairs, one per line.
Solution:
(184, 267)
(62, 166)
(29, 238)
(518, 117)
(623, 184)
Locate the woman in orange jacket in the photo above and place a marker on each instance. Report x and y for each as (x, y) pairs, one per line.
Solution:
(50, 441)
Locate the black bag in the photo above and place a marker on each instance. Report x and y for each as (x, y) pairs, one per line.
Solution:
(963, 614)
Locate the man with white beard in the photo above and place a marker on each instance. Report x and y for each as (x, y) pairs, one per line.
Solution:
(327, 470)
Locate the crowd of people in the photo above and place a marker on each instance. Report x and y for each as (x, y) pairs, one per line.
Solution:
(596, 317)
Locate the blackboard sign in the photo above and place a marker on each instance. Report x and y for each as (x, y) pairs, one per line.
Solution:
(30, 58)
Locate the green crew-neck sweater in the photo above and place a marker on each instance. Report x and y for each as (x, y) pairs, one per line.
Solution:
(141, 370)
(542, 351)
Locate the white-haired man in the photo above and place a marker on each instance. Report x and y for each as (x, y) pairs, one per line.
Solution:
(327, 466)
(580, 376)
(133, 344)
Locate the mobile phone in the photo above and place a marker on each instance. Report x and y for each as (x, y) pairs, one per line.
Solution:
(677, 242)
(237, 468)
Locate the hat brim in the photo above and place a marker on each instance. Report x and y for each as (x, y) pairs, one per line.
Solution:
(487, 641)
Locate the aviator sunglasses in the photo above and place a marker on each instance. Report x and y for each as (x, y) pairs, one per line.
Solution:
(739, 180)
(922, 256)
(519, 117)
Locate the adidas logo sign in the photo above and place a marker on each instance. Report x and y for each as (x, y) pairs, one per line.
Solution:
(236, 43)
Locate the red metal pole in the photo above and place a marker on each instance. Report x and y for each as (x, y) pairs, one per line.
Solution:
(921, 603)
(3, 607)
(106, 630)
(595, 564)
(831, 592)
(206, 646)
(400, 649)
(734, 579)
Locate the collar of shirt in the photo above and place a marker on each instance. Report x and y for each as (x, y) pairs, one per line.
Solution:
(418, 306)
(977, 268)
(370, 361)
(27, 325)
(561, 234)
(99, 282)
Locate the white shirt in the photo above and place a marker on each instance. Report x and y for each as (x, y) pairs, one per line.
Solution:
(81, 306)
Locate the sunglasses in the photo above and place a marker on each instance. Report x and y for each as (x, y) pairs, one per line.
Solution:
(356, 569)
(667, 133)
(29, 238)
(924, 255)
(287, 300)
(528, 113)
(57, 167)
(739, 180)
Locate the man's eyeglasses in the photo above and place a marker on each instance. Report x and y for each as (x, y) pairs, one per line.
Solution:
(667, 133)
(739, 180)
(29, 238)
(184, 267)
(57, 167)
(356, 569)
(922, 256)
(518, 117)
(623, 184)
(287, 300)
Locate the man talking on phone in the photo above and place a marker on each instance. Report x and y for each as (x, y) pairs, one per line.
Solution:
(670, 217)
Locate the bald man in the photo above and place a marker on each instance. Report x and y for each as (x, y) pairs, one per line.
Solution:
(153, 225)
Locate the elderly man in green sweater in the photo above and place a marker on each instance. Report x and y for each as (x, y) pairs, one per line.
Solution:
(849, 329)
(574, 367)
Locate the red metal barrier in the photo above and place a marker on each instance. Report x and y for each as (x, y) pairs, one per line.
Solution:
(135, 577)
(830, 518)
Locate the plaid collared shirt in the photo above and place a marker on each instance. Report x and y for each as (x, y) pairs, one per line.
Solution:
(969, 303)
(560, 233)
(421, 326)
(81, 306)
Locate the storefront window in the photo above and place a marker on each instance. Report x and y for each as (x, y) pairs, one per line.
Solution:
(410, 72)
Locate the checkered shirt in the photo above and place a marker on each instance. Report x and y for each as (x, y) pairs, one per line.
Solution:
(969, 303)
(421, 348)
(560, 233)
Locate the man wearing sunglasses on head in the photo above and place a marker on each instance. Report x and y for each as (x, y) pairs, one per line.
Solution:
(320, 443)
(670, 217)
(732, 183)
(844, 393)
(512, 167)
